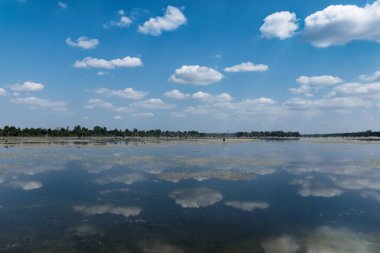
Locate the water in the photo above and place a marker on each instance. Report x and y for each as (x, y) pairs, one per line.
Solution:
(169, 197)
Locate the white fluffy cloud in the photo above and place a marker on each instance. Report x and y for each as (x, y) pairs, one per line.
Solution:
(196, 197)
(207, 97)
(98, 103)
(172, 19)
(125, 211)
(247, 205)
(282, 244)
(38, 102)
(2, 92)
(340, 24)
(83, 42)
(195, 74)
(123, 22)
(319, 80)
(358, 89)
(126, 62)
(27, 86)
(153, 103)
(128, 93)
(176, 94)
(247, 67)
(281, 25)
(370, 77)
(312, 84)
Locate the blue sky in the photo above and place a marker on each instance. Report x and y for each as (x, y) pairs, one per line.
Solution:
(191, 65)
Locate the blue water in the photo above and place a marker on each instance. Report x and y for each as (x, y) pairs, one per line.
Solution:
(272, 197)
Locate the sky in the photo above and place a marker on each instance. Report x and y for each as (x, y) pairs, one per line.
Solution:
(214, 66)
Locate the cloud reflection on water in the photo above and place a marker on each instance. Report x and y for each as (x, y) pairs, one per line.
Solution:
(196, 197)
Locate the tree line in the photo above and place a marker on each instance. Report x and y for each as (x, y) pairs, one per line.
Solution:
(97, 131)
(368, 133)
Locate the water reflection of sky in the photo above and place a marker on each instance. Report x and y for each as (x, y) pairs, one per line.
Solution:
(191, 197)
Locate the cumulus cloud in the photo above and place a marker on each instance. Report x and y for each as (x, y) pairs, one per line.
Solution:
(126, 62)
(195, 74)
(176, 94)
(311, 84)
(38, 102)
(26, 185)
(370, 90)
(282, 244)
(247, 205)
(281, 25)
(2, 92)
(370, 77)
(196, 197)
(125, 211)
(83, 42)
(153, 103)
(206, 97)
(99, 103)
(123, 22)
(172, 19)
(27, 87)
(319, 80)
(340, 24)
(247, 67)
(312, 187)
(128, 93)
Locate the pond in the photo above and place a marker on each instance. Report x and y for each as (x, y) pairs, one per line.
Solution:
(191, 196)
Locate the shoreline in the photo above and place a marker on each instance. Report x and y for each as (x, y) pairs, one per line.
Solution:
(95, 141)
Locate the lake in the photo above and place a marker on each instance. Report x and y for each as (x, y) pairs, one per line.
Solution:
(191, 196)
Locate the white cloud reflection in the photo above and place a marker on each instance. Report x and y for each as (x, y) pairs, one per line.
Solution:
(196, 197)
(125, 211)
(282, 244)
(247, 206)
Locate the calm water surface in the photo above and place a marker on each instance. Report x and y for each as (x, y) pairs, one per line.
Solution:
(173, 197)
